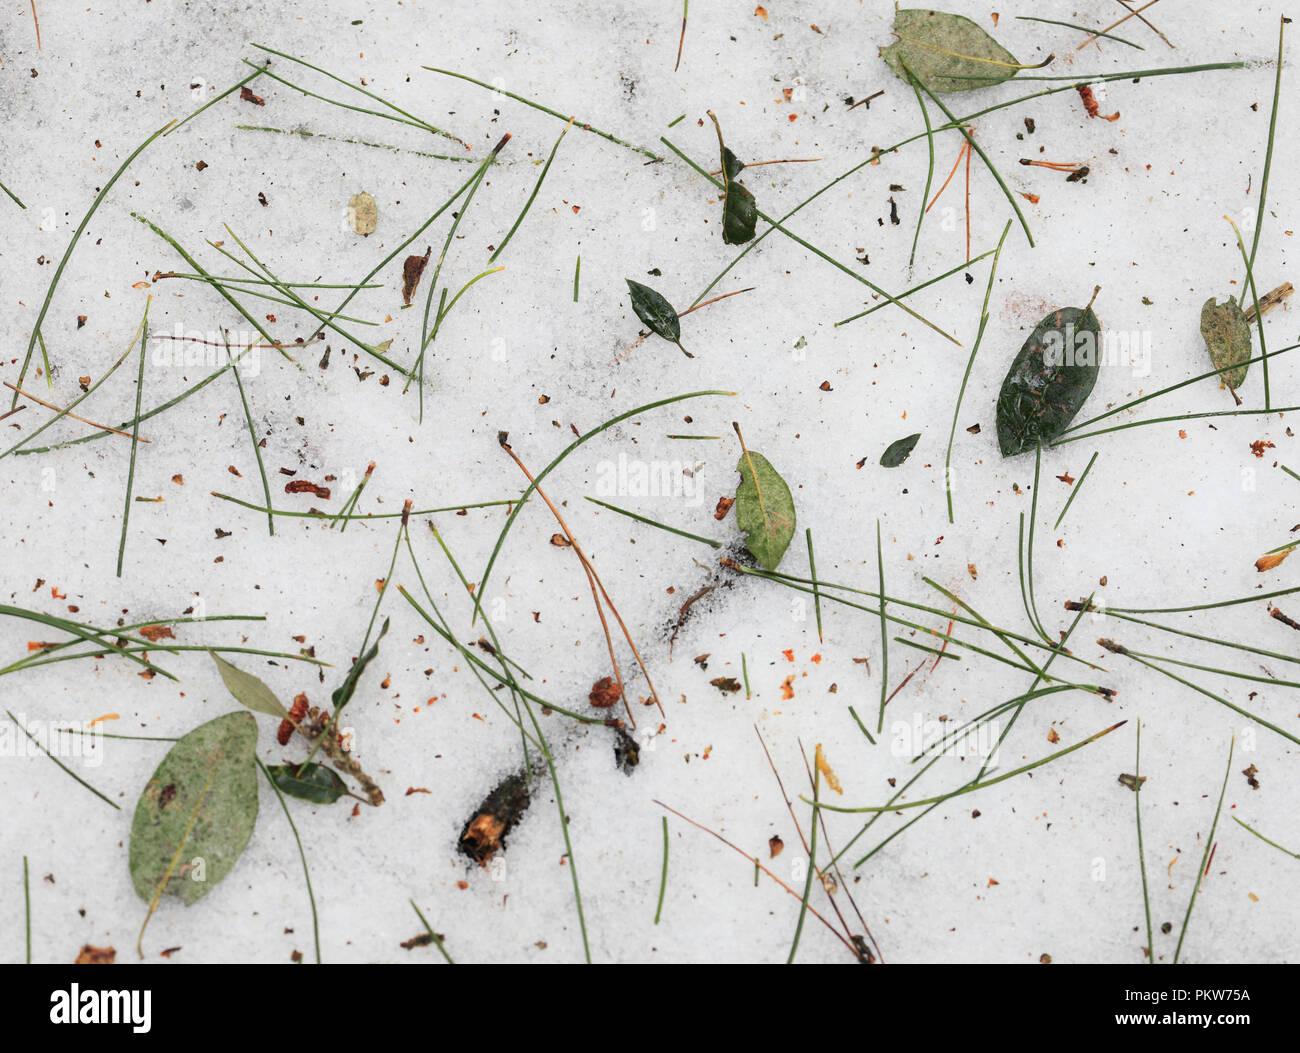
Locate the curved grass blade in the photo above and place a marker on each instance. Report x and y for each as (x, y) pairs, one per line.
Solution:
(306, 874)
(69, 771)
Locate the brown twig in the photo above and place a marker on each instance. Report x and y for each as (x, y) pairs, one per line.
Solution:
(50, 405)
(867, 101)
(681, 615)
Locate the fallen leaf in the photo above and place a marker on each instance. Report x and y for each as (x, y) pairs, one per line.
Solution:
(412, 271)
(946, 53)
(764, 509)
(363, 214)
(1227, 336)
(899, 450)
(1049, 380)
(1270, 561)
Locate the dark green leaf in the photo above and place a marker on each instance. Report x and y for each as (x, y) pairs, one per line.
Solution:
(1227, 335)
(764, 509)
(946, 52)
(899, 451)
(343, 694)
(248, 689)
(731, 165)
(1049, 380)
(197, 812)
(656, 312)
(309, 782)
(739, 214)
(739, 209)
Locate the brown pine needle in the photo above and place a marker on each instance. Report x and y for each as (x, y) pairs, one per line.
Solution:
(1130, 14)
(757, 863)
(965, 149)
(37, 22)
(1055, 166)
(1145, 21)
(593, 579)
(715, 300)
(821, 873)
(50, 405)
(782, 161)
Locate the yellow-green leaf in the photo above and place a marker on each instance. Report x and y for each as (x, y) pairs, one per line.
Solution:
(764, 509)
(946, 52)
(248, 689)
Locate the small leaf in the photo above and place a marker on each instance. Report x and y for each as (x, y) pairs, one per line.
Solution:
(656, 313)
(947, 53)
(1227, 335)
(739, 209)
(197, 812)
(1050, 379)
(309, 782)
(412, 271)
(764, 509)
(343, 694)
(899, 451)
(248, 689)
(363, 213)
(732, 166)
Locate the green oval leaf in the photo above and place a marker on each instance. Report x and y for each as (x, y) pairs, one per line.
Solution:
(764, 509)
(1049, 380)
(947, 53)
(1227, 335)
(899, 451)
(248, 689)
(655, 312)
(197, 813)
(309, 782)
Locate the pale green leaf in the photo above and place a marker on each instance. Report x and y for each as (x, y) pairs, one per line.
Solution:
(764, 509)
(197, 813)
(248, 689)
